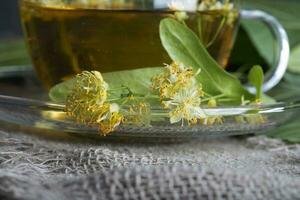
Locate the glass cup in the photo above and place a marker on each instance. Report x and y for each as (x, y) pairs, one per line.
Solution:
(66, 37)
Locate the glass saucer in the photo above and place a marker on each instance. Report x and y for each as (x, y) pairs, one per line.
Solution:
(31, 109)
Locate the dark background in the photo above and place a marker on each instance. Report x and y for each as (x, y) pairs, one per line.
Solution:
(9, 19)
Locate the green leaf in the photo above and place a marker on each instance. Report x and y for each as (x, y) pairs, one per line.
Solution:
(288, 132)
(185, 47)
(13, 52)
(266, 99)
(262, 39)
(59, 92)
(287, 12)
(256, 78)
(288, 89)
(137, 80)
(294, 63)
(240, 60)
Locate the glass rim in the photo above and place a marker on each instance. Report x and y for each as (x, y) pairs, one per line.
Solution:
(129, 6)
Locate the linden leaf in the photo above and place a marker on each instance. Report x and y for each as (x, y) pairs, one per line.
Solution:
(256, 78)
(183, 46)
(137, 80)
(59, 92)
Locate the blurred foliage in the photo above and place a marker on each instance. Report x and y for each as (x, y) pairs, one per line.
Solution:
(287, 12)
(295, 60)
(13, 52)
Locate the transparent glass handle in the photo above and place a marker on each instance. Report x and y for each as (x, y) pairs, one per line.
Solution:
(280, 66)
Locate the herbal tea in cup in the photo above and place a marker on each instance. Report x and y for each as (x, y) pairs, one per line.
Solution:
(66, 37)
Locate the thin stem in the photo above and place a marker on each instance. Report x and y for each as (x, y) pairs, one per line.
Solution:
(152, 97)
(213, 97)
(160, 114)
(119, 88)
(116, 99)
(217, 32)
(199, 24)
(207, 94)
(226, 100)
(136, 96)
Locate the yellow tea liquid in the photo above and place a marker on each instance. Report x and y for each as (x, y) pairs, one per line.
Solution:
(63, 41)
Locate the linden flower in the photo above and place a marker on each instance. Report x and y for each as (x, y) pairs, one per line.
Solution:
(181, 16)
(88, 94)
(185, 105)
(108, 118)
(206, 5)
(180, 93)
(87, 103)
(182, 5)
(211, 120)
(176, 5)
(254, 119)
(89, 91)
(174, 78)
(138, 114)
(227, 7)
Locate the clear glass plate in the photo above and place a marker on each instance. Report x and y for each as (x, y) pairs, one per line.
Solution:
(39, 114)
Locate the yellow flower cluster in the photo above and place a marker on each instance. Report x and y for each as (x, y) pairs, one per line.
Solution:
(109, 118)
(180, 93)
(211, 120)
(226, 7)
(173, 78)
(206, 5)
(253, 119)
(87, 102)
(138, 113)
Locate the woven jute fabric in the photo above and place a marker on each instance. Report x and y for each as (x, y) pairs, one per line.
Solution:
(33, 168)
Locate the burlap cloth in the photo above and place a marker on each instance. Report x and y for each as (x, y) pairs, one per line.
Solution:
(34, 168)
